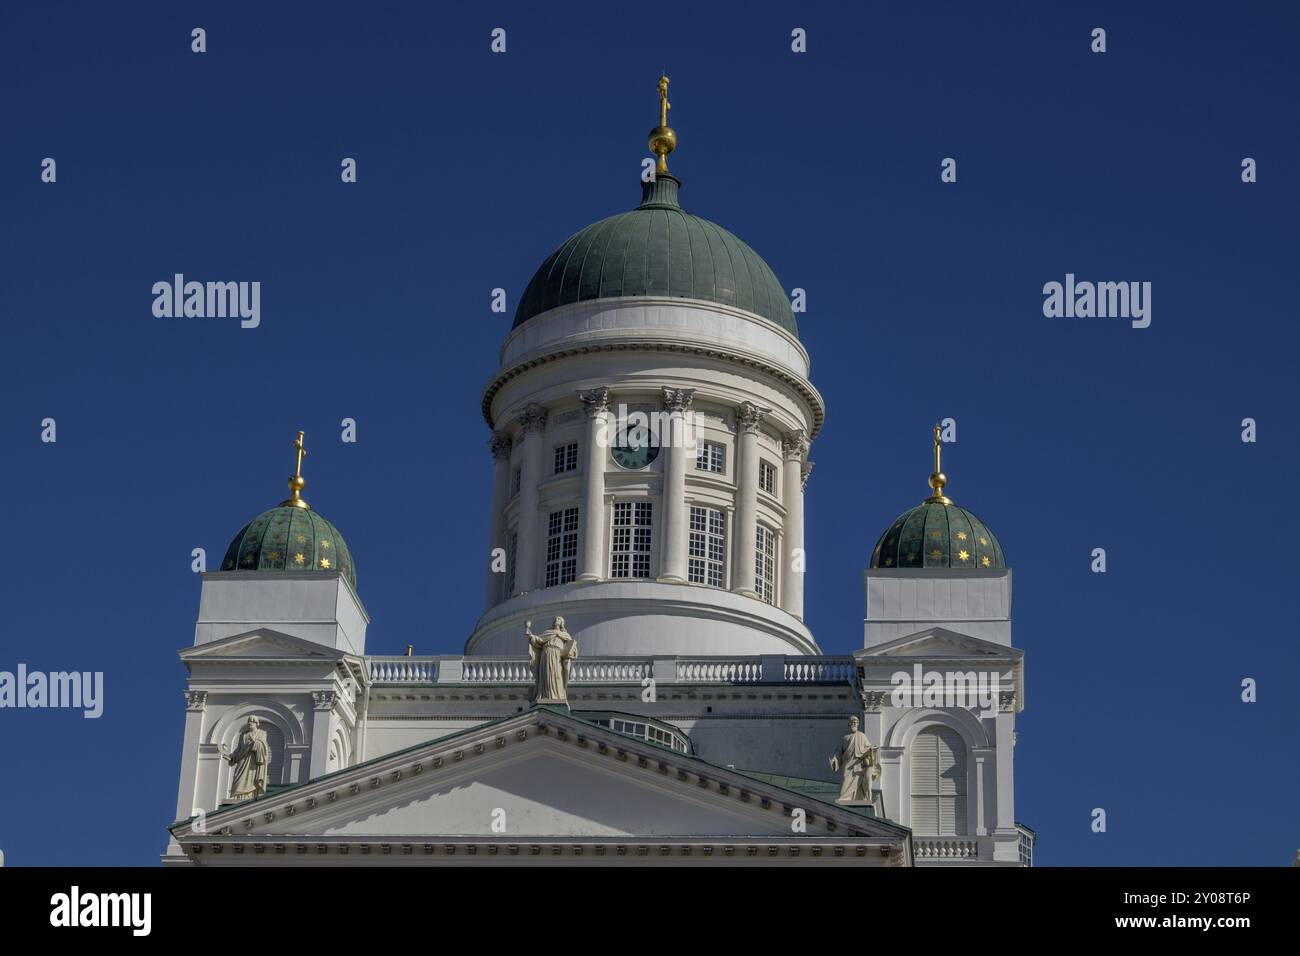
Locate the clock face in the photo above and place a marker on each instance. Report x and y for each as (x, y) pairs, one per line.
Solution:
(634, 448)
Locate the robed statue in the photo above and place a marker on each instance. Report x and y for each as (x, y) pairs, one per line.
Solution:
(249, 762)
(550, 655)
(859, 762)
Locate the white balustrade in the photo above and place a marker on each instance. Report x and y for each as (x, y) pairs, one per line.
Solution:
(403, 670)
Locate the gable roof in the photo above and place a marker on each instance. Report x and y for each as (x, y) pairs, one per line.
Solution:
(561, 780)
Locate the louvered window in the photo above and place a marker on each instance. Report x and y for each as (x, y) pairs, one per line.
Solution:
(938, 757)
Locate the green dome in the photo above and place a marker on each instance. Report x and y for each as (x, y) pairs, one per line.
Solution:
(938, 535)
(290, 538)
(657, 249)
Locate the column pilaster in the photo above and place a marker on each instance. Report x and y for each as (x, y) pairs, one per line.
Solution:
(677, 402)
(531, 424)
(748, 418)
(793, 447)
(595, 402)
(500, 445)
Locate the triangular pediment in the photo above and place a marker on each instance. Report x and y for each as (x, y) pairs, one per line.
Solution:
(940, 643)
(539, 775)
(262, 643)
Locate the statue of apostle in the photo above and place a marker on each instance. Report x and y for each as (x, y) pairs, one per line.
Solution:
(249, 762)
(550, 654)
(859, 761)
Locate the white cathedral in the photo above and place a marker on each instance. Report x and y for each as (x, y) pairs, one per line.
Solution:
(641, 686)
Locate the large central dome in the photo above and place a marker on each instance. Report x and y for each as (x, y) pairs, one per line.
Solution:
(657, 249)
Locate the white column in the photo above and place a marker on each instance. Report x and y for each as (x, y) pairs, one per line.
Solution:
(528, 552)
(322, 711)
(187, 800)
(1004, 797)
(743, 548)
(591, 564)
(500, 446)
(980, 828)
(677, 402)
(793, 446)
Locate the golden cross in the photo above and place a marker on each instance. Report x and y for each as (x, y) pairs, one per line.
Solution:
(301, 451)
(937, 442)
(664, 105)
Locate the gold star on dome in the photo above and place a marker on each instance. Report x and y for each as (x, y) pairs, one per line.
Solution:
(889, 562)
(984, 541)
(936, 535)
(302, 539)
(985, 560)
(325, 563)
(325, 544)
(913, 556)
(936, 554)
(961, 535)
(963, 555)
(274, 556)
(299, 559)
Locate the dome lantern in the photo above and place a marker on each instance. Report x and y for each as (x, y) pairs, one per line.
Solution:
(291, 537)
(938, 534)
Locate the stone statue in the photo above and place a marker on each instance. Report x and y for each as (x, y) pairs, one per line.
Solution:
(550, 655)
(860, 763)
(249, 762)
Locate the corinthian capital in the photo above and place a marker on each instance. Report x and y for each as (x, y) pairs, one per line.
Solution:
(678, 399)
(499, 444)
(595, 401)
(533, 418)
(748, 416)
(794, 444)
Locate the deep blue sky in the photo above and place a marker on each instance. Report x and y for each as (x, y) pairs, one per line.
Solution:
(924, 302)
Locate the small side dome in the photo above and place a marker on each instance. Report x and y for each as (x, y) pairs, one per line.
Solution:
(291, 537)
(938, 534)
(935, 535)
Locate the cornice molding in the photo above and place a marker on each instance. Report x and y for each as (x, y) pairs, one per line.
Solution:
(801, 387)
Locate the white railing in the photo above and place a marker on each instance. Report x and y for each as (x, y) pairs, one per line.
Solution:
(736, 670)
(479, 670)
(947, 849)
(808, 670)
(403, 670)
(615, 671)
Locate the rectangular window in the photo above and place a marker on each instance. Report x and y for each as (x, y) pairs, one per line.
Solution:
(630, 540)
(706, 555)
(561, 547)
(512, 556)
(767, 477)
(514, 482)
(566, 458)
(710, 457)
(765, 565)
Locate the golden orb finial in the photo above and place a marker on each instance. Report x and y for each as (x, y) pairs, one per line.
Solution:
(937, 478)
(663, 138)
(297, 482)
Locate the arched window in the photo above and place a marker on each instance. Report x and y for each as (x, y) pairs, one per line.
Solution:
(938, 757)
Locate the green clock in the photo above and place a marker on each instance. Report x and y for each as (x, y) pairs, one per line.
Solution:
(634, 448)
